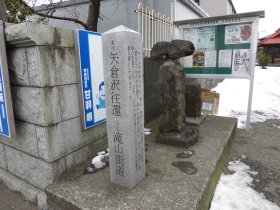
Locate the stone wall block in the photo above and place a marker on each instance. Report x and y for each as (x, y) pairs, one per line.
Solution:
(3, 162)
(75, 137)
(51, 66)
(69, 101)
(78, 157)
(18, 68)
(28, 104)
(36, 105)
(52, 107)
(33, 170)
(31, 34)
(42, 140)
(37, 75)
(65, 66)
(25, 139)
(51, 142)
(86, 153)
(59, 140)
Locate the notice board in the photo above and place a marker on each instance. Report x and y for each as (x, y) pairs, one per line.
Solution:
(225, 46)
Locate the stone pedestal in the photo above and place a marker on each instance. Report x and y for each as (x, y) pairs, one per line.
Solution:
(123, 74)
(172, 97)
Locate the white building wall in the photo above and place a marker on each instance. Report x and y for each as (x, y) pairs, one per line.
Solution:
(214, 7)
(183, 13)
(229, 8)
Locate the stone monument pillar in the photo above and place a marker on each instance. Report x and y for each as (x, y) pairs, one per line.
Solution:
(123, 75)
(172, 97)
(172, 123)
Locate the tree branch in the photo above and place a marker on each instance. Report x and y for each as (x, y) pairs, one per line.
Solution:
(46, 15)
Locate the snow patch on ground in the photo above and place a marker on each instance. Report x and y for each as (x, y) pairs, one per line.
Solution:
(234, 191)
(266, 96)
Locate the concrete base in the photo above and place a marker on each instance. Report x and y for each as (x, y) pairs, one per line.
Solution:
(165, 186)
(195, 121)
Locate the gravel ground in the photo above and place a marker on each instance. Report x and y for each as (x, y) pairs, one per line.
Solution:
(259, 148)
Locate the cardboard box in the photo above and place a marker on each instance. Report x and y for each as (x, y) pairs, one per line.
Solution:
(210, 101)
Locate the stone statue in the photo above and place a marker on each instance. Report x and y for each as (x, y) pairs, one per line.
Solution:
(172, 125)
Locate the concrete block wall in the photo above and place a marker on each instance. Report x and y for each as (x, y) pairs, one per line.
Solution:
(44, 90)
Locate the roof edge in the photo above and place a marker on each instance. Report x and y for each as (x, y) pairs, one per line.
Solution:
(260, 14)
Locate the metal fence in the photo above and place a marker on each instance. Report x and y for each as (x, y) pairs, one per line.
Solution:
(154, 27)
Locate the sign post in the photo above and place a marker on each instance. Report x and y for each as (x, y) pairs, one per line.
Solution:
(91, 82)
(7, 124)
(226, 47)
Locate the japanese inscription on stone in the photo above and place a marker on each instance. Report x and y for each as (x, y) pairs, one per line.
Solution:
(123, 71)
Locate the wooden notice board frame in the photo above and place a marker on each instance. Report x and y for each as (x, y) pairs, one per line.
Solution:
(226, 47)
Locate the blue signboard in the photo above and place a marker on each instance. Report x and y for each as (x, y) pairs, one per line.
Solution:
(91, 77)
(7, 123)
(4, 125)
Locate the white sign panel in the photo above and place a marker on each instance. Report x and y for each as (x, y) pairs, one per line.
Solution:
(206, 38)
(210, 58)
(241, 61)
(89, 46)
(237, 34)
(225, 58)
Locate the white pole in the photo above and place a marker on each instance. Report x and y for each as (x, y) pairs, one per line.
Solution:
(253, 61)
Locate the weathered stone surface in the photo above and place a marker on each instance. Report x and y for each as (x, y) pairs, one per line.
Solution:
(50, 66)
(125, 113)
(43, 145)
(172, 97)
(25, 139)
(193, 100)
(180, 48)
(42, 201)
(69, 101)
(33, 170)
(18, 69)
(188, 137)
(59, 140)
(75, 138)
(160, 50)
(28, 104)
(30, 34)
(3, 162)
(88, 151)
(164, 187)
(36, 105)
(172, 50)
(28, 191)
(51, 106)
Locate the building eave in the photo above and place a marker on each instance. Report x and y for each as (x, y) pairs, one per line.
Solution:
(196, 8)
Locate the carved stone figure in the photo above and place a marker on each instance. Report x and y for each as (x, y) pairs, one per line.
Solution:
(172, 125)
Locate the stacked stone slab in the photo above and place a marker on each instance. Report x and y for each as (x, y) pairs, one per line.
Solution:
(44, 88)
